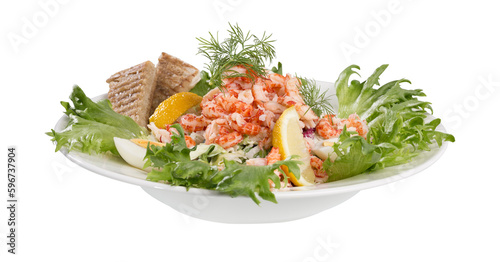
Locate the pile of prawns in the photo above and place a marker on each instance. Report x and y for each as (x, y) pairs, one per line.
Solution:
(245, 106)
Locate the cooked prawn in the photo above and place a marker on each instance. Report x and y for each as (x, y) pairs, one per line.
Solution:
(211, 133)
(229, 140)
(330, 126)
(274, 107)
(190, 143)
(246, 96)
(209, 96)
(292, 89)
(192, 123)
(239, 124)
(165, 135)
(326, 127)
(273, 156)
(241, 108)
(307, 115)
(256, 162)
(268, 118)
(212, 110)
(258, 91)
(264, 138)
(357, 125)
(317, 166)
(162, 135)
(287, 101)
(277, 83)
(240, 82)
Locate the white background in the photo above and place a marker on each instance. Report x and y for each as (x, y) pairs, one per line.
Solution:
(449, 212)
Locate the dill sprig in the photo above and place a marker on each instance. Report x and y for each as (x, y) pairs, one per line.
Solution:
(240, 48)
(318, 101)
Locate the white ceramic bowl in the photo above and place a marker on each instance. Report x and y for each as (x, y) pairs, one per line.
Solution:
(299, 202)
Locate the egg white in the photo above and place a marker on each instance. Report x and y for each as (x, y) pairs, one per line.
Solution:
(130, 152)
(324, 151)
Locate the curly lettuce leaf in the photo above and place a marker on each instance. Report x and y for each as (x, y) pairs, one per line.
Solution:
(397, 120)
(354, 156)
(243, 180)
(173, 165)
(92, 126)
(176, 151)
(363, 99)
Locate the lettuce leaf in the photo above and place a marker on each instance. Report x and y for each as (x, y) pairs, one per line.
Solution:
(92, 126)
(366, 101)
(203, 86)
(397, 120)
(242, 180)
(354, 156)
(173, 165)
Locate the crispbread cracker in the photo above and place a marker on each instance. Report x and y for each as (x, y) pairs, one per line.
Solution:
(173, 76)
(131, 91)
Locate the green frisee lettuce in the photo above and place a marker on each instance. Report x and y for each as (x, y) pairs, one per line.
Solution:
(173, 164)
(92, 126)
(397, 120)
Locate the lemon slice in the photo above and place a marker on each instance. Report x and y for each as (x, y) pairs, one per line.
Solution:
(288, 138)
(174, 107)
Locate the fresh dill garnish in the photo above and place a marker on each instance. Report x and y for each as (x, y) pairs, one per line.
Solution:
(318, 101)
(251, 52)
(242, 49)
(279, 69)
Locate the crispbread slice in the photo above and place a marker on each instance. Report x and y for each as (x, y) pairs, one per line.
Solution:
(173, 76)
(131, 91)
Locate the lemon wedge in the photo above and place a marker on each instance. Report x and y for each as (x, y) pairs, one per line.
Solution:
(174, 107)
(288, 138)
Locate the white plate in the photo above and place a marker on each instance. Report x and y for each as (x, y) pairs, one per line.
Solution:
(299, 202)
